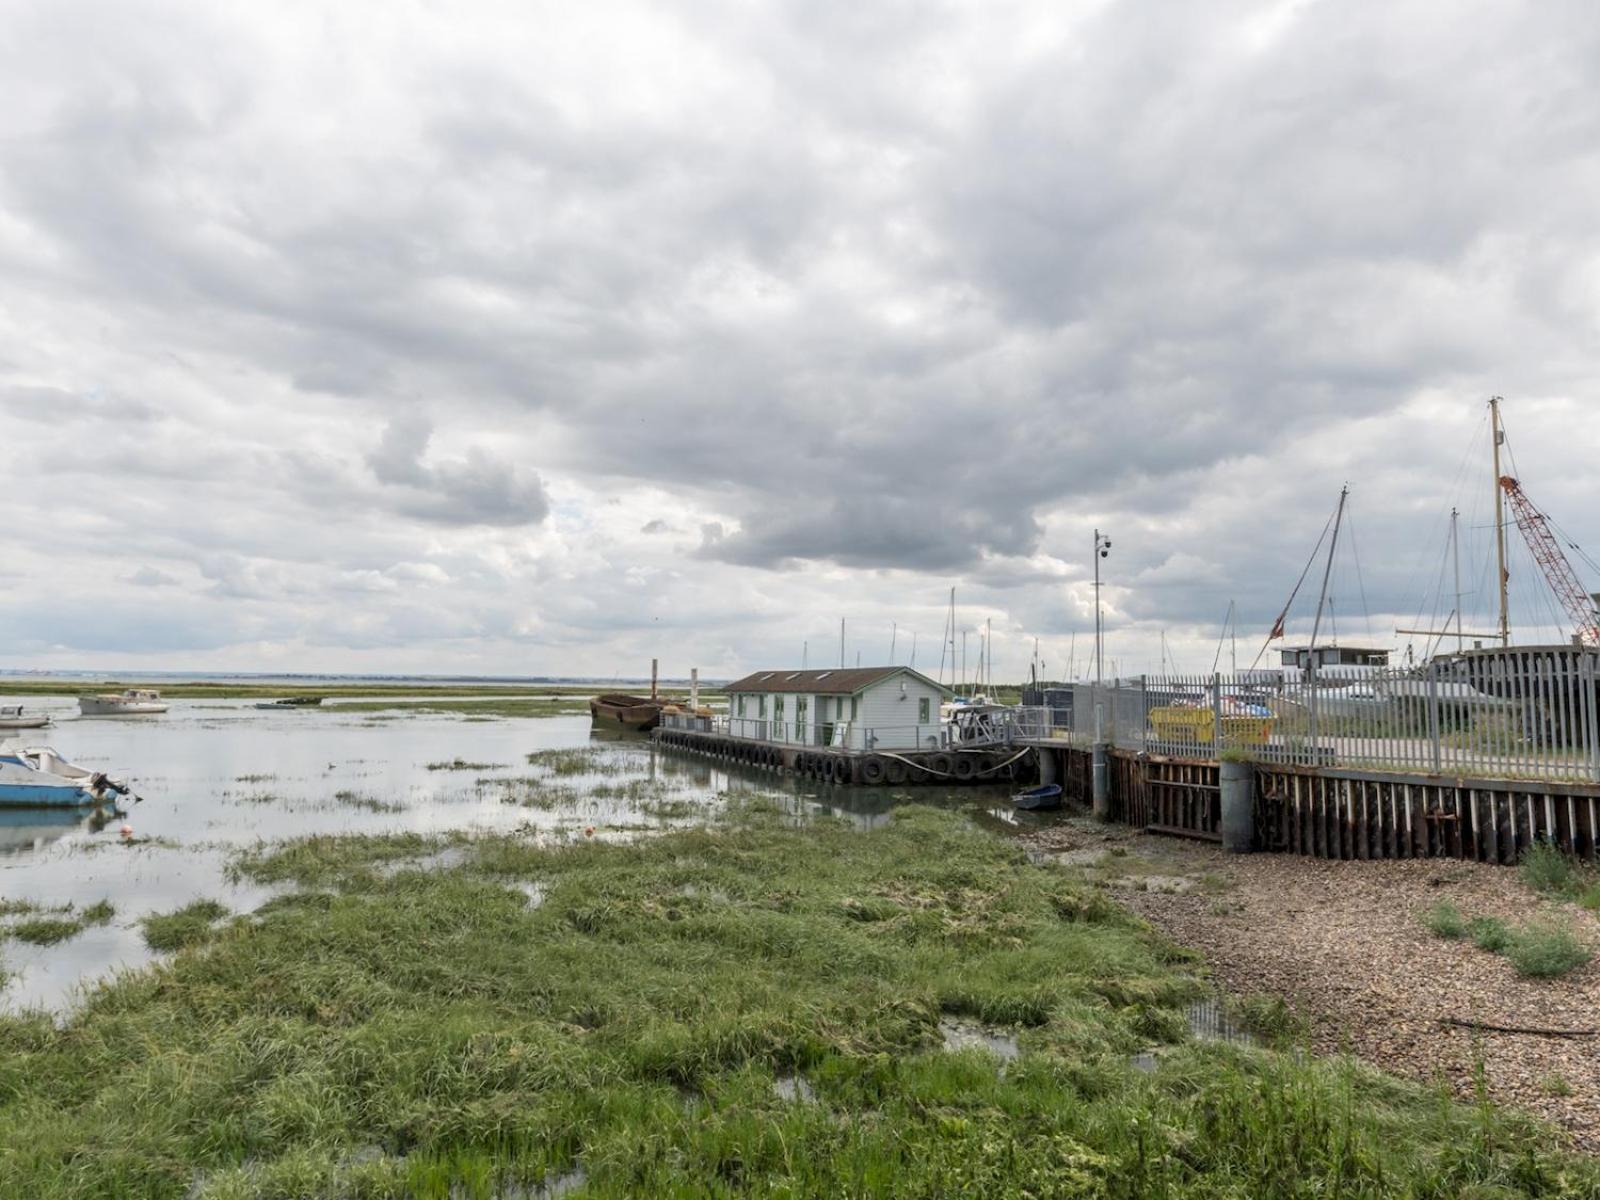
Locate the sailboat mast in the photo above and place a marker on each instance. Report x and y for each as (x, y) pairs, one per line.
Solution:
(1455, 555)
(1327, 572)
(1497, 436)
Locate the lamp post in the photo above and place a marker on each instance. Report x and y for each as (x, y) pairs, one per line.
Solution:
(1102, 549)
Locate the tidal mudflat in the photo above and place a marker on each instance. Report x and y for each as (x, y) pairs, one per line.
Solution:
(730, 987)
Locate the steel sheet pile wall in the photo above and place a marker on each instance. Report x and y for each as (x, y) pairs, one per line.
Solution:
(1349, 815)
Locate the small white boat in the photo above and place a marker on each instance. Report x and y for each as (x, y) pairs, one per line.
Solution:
(12, 717)
(135, 702)
(38, 777)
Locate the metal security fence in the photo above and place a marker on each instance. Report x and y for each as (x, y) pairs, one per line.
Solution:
(1522, 716)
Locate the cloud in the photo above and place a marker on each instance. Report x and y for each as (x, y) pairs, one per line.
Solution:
(476, 489)
(420, 347)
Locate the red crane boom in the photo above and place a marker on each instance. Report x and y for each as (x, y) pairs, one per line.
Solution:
(1553, 562)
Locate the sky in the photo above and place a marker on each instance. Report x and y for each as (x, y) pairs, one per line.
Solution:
(535, 338)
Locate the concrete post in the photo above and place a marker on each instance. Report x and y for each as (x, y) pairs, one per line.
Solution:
(1048, 772)
(1101, 773)
(1238, 806)
(694, 688)
(654, 665)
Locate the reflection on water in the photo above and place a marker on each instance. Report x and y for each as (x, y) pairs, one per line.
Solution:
(218, 776)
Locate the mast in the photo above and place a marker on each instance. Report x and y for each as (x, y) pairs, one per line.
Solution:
(1327, 571)
(1455, 555)
(841, 643)
(1497, 437)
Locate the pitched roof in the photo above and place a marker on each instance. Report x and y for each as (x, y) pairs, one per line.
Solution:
(845, 681)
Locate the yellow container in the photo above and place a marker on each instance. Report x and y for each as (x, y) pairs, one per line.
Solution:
(1174, 724)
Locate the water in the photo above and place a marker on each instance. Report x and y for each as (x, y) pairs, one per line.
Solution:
(219, 776)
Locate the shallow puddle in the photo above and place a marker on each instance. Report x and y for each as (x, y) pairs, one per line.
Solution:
(794, 1088)
(964, 1035)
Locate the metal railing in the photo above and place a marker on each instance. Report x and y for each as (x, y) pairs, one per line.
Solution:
(995, 727)
(1530, 715)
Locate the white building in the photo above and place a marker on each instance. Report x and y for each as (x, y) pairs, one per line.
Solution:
(854, 708)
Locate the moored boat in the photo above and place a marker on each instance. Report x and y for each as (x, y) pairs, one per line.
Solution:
(38, 777)
(13, 717)
(133, 702)
(630, 712)
(1044, 798)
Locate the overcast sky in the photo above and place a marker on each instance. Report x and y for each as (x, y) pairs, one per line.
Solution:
(537, 338)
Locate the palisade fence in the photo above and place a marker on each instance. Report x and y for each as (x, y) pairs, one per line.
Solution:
(1533, 716)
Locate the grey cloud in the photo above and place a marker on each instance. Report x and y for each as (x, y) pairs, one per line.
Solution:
(150, 577)
(478, 489)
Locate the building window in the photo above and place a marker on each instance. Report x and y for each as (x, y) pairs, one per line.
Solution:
(761, 707)
(855, 706)
(800, 707)
(922, 711)
(741, 706)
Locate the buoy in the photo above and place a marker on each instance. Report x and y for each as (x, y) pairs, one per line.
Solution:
(127, 831)
(588, 831)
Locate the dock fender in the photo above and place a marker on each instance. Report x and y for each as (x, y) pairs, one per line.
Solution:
(872, 771)
(963, 767)
(939, 763)
(894, 772)
(844, 770)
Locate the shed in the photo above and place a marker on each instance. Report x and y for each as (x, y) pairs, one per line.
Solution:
(852, 708)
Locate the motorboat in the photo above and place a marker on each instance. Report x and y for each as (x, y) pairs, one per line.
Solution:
(630, 712)
(13, 717)
(133, 702)
(38, 777)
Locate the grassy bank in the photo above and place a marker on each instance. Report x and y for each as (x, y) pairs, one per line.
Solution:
(750, 1009)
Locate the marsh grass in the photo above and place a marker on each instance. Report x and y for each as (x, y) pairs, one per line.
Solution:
(579, 761)
(461, 764)
(42, 926)
(188, 926)
(361, 800)
(429, 1033)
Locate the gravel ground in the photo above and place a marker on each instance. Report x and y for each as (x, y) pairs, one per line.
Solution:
(1344, 944)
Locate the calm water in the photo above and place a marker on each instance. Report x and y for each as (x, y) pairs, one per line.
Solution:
(220, 776)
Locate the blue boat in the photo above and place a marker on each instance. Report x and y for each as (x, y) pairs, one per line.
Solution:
(38, 777)
(1045, 797)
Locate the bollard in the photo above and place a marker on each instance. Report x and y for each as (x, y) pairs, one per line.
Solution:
(1238, 806)
(1102, 781)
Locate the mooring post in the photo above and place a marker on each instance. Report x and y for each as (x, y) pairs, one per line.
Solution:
(1238, 806)
(654, 665)
(694, 689)
(1102, 781)
(1047, 765)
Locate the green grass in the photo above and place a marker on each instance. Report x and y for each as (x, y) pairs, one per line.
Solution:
(190, 925)
(1545, 949)
(1548, 871)
(1489, 933)
(430, 1033)
(1444, 920)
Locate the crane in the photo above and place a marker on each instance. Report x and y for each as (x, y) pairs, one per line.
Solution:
(1553, 562)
